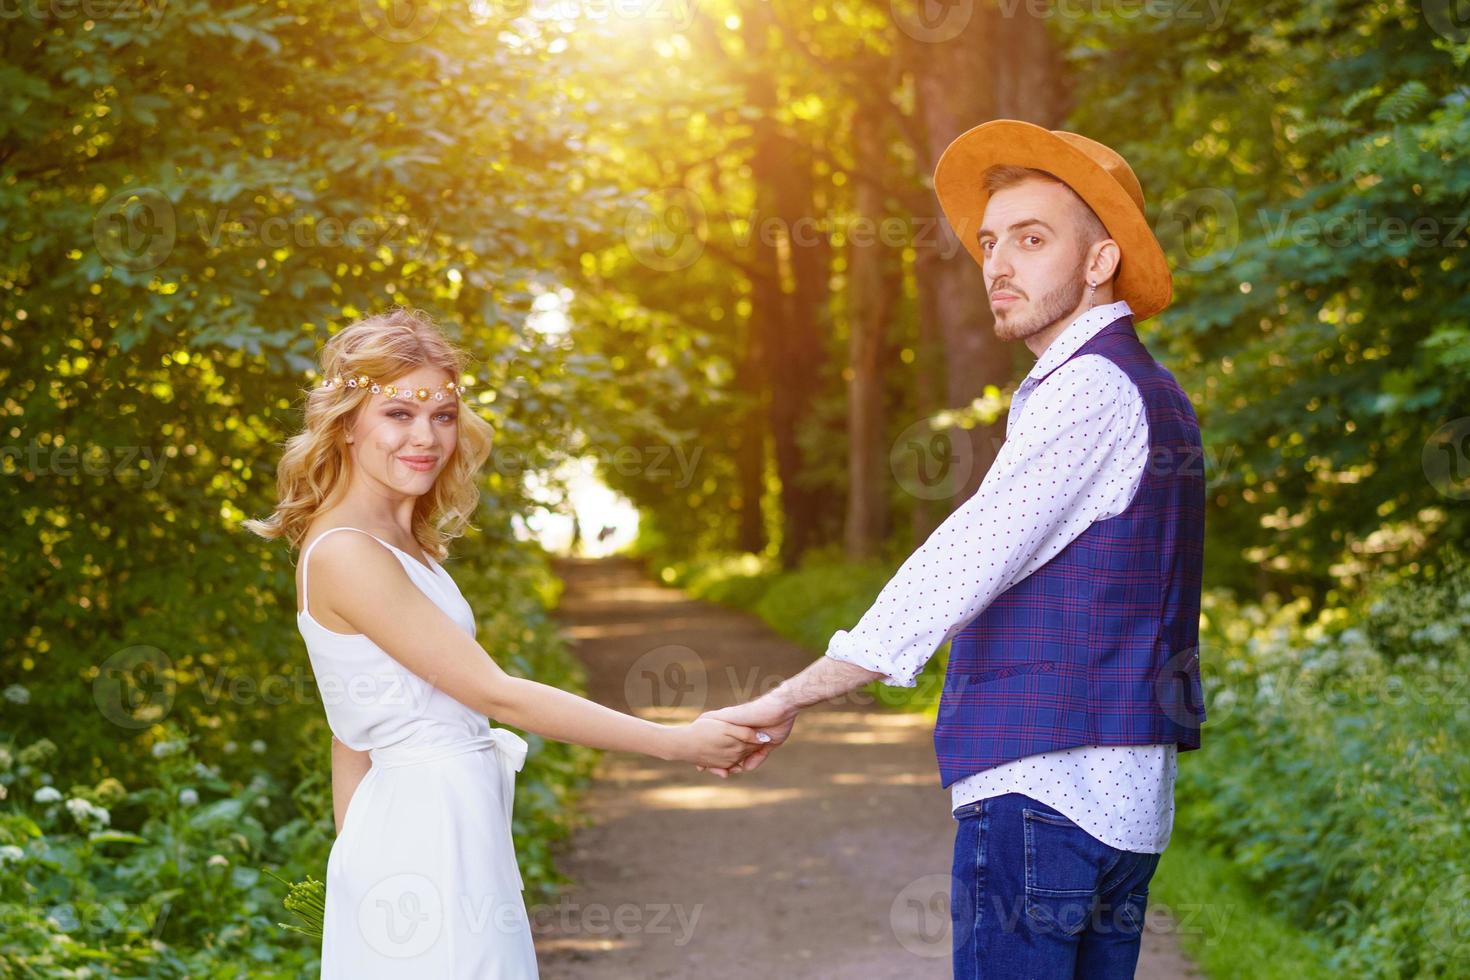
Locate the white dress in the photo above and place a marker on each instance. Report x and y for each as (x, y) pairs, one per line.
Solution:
(422, 881)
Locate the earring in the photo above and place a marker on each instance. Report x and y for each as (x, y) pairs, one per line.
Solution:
(1091, 288)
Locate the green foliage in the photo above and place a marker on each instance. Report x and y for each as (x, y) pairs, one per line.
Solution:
(1332, 778)
(824, 595)
(672, 300)
(1307, 170)
(192, 200)
(782, 599)
(1415, 617)
(194, 204)
(159, 880)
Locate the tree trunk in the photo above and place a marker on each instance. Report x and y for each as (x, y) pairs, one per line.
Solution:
(797, 353)
(997, 67)
(874, 285)
(929, 391)
(750, 454)
(791, 324)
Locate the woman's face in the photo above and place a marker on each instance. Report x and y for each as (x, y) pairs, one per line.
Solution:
(404, 443)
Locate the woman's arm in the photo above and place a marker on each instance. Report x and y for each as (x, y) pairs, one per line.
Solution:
(361, 582)
(348, 768)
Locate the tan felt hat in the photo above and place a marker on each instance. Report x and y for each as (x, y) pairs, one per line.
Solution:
(1097, 173)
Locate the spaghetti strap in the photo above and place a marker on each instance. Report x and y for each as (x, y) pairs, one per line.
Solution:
(306, 569)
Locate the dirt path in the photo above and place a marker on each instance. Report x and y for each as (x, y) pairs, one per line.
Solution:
(831, 861)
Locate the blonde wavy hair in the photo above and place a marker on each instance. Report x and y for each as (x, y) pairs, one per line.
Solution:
(315, 463)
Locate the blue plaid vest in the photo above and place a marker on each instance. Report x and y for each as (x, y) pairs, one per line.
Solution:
(1100, 646)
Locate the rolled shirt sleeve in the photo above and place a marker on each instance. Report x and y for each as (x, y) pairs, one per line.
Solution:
(1075, 454)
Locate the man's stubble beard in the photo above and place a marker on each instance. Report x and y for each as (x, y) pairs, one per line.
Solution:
(1054, 305)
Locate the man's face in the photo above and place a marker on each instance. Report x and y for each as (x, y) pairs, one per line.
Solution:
(1034, 267)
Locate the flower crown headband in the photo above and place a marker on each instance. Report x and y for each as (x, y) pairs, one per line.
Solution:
(393, 391)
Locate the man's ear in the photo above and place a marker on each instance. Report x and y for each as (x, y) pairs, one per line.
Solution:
(1106, 256)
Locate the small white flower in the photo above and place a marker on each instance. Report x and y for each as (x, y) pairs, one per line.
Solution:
(1440, 633)
(6, 759)
(162, 750)
(258, 747)
(10, 853)
(218, 861)
(88, 815)
(230, 747)
(17, 694)
(263, 802)
(47, 794)
(188, 796)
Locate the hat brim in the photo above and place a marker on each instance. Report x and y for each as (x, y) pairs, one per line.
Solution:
(1143, 278)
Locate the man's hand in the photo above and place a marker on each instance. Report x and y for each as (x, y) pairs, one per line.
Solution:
(774, 713)
(765, 714)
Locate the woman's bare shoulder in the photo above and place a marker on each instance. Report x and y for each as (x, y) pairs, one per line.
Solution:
(341, 562)
(323, 522)
(344, 552)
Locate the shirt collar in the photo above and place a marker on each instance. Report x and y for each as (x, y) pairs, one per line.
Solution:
(1078, 332)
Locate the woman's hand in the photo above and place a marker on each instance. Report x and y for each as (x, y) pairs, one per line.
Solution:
(713, 743)
(774, 720)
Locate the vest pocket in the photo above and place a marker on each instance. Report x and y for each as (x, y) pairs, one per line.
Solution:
(1001, 673)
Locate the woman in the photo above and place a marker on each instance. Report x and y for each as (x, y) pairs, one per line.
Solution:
(422, 879)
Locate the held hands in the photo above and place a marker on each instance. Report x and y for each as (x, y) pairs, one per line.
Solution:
(773, 713)
(773, 720)
(714, 744)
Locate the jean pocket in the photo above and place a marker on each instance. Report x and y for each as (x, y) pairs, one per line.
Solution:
(1064, 867)
(1130, 911)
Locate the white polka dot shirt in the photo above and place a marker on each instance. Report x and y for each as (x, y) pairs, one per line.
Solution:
(1075, 449)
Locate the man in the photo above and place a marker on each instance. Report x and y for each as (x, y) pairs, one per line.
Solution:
(1069, 584)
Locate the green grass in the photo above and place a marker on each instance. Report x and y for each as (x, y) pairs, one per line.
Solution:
(1222, 923)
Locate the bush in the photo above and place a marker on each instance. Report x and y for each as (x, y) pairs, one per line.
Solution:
(186, 870)
(1410, 616)
(1332, 775)
(162, 880)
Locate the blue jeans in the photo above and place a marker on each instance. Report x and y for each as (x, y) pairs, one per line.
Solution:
(1036, 896)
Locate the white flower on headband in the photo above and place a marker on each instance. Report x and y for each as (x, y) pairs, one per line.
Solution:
(393, 391)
